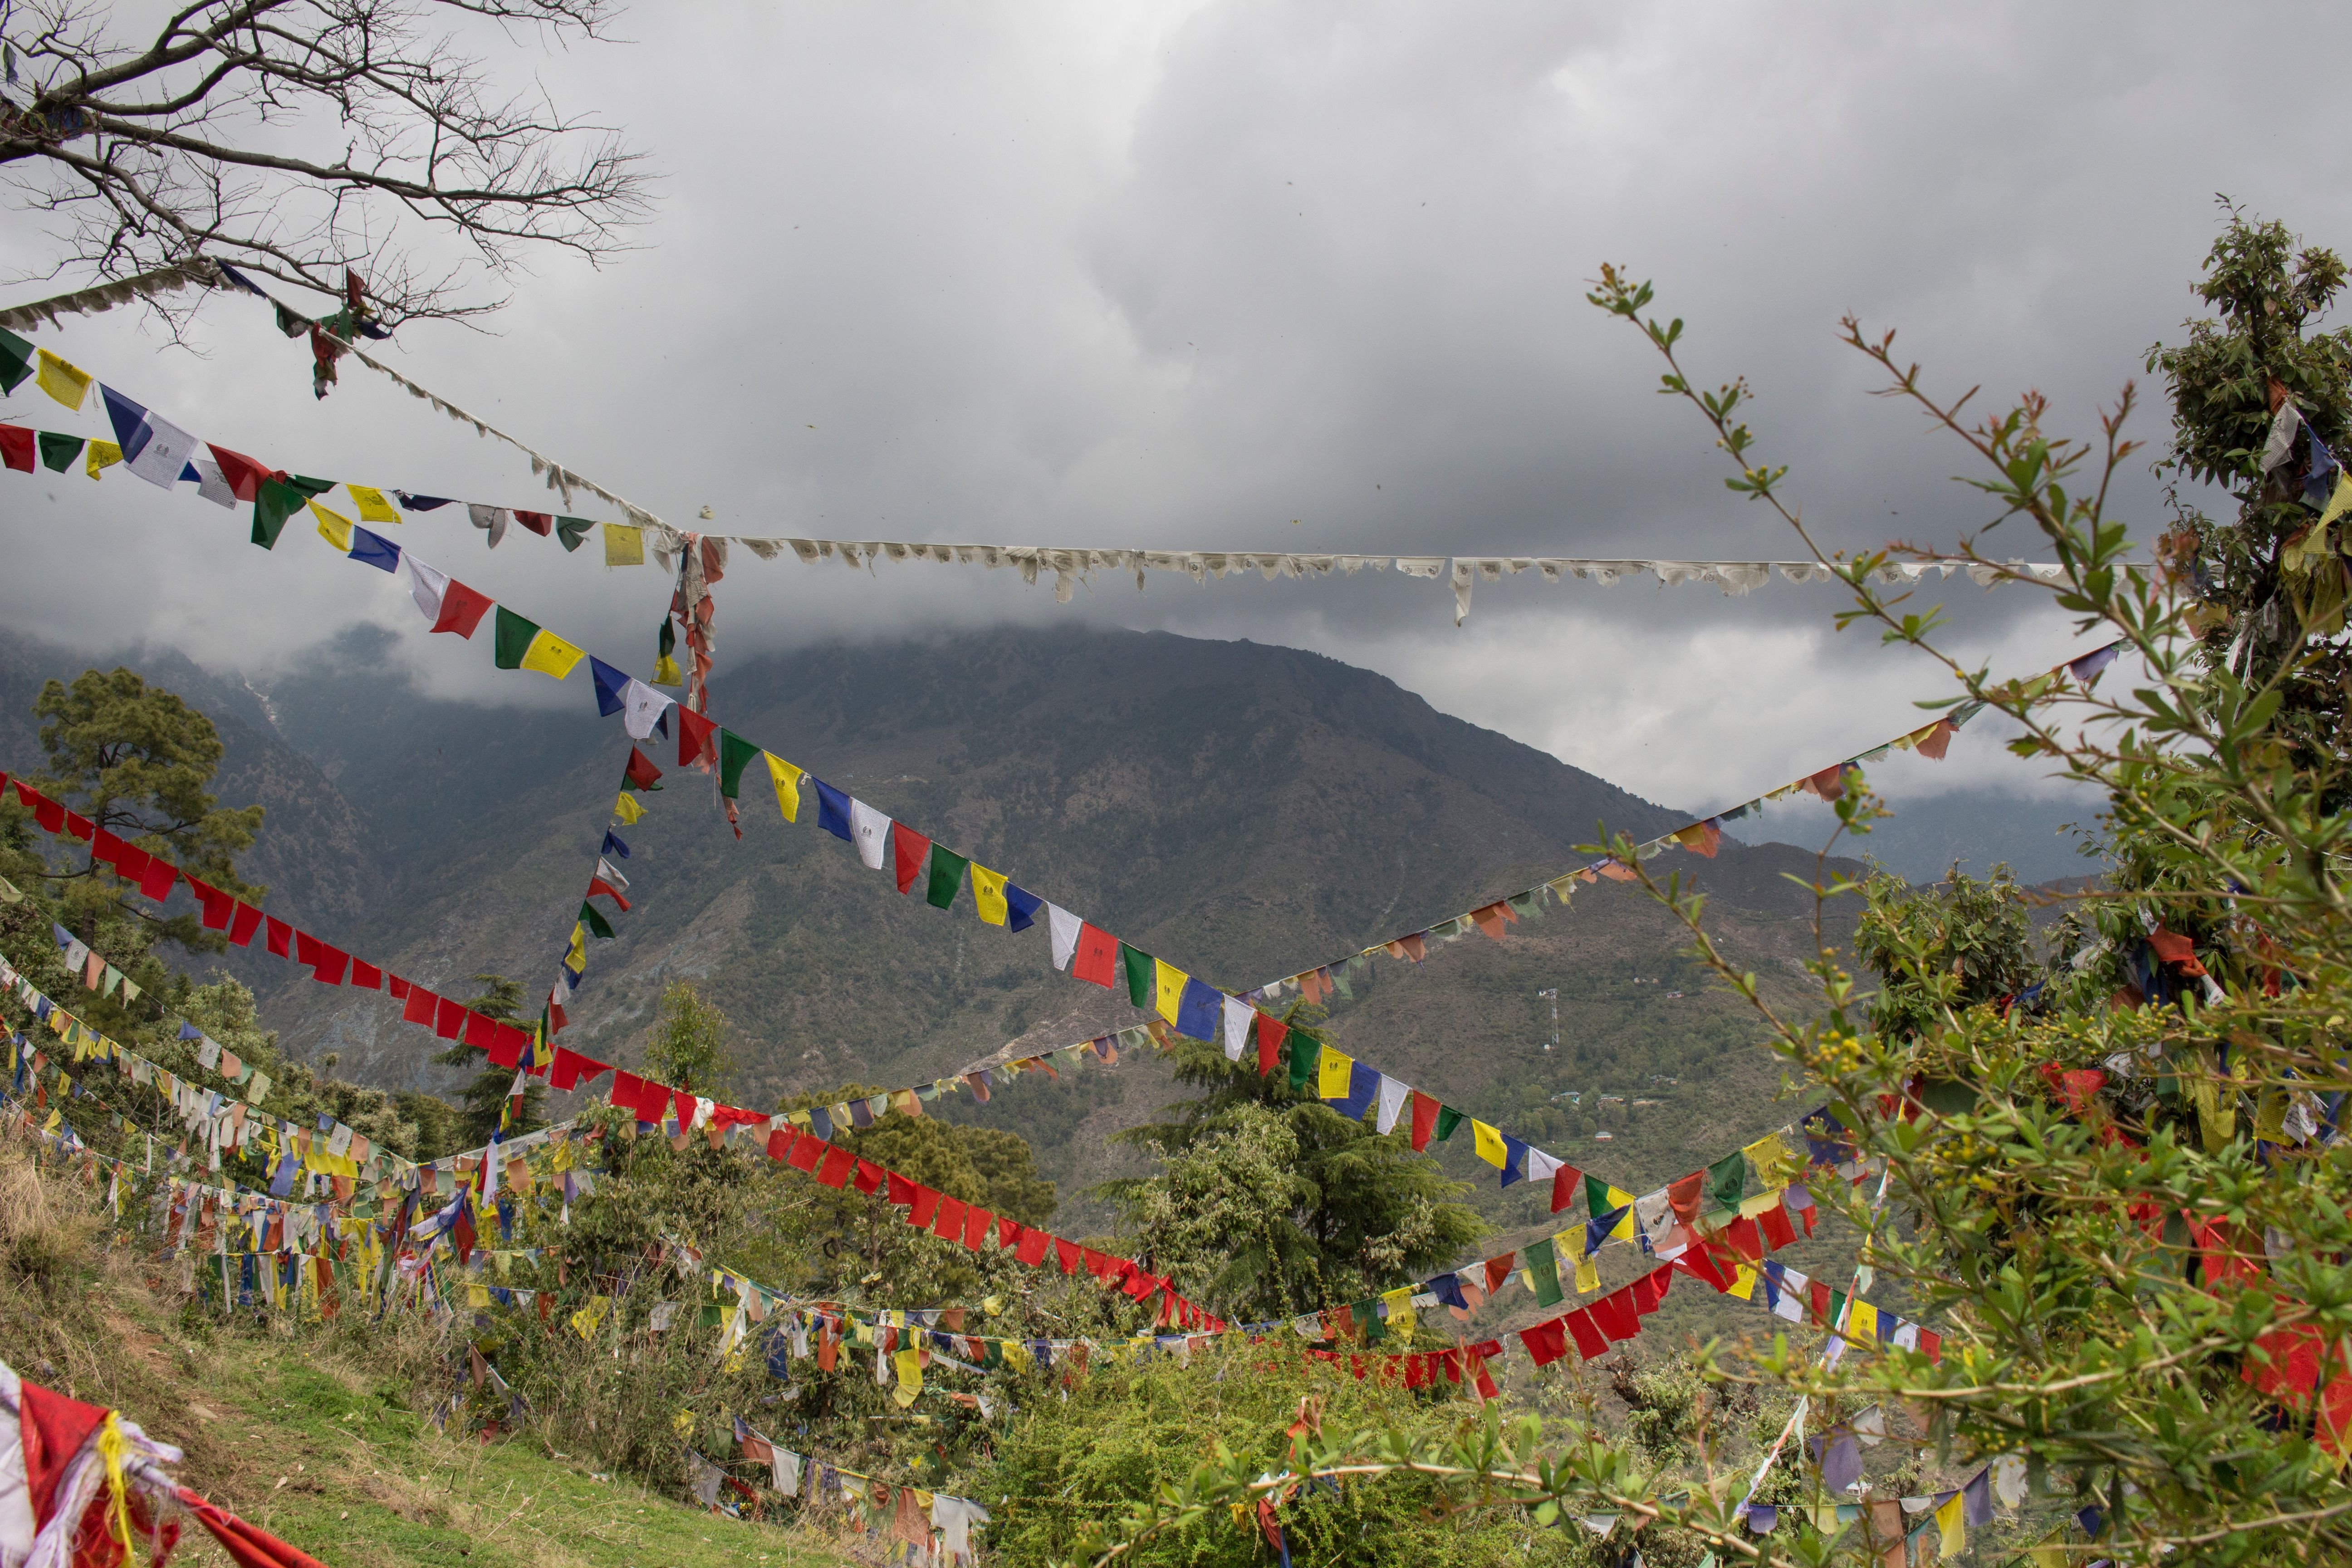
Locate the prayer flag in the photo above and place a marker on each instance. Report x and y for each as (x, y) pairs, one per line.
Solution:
(1198, 1011)
(988, 894)
(16, 448)
(374, 551)
(1021, 907)
(103, 455)
(1726, 1179)
(1138, 964)
(1097, 955)
(787, 780)
(61, 380)
(624, 545)
(1331, 1074)
(1168, 988)
(1489, 1141)
(273, 503)
(612, 685)
(16, 360)
(156, 449)
(640, 772)
(372, 507)
(735, 754)
(1543, 1266)
(598, 926)
(870, 832)
(1270, 1031)
(242, 475)
(696, 735)
(946, 876)
(1424, 1119)
(333, 527)
(908, 848)
(57, 452)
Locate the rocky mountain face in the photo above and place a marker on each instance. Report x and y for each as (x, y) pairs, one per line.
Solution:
(1239, 810)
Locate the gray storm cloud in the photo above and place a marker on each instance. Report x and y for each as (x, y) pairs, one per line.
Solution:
(1178, 276)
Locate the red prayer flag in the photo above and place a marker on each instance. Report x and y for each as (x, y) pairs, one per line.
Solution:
(306, 948)
(1651, 1289)
(598, 885)
(16, 448)
(1743, 1237)
(448, 1017)
(367, 976)
(1590, 1341)
(241, 927)
(539, 523)
(1032, 1250)
(926, 1209)
(1068, 1254)
(507, 1044)
(869, 1177)
(1614, 1315)
(908, 848)
(281, 936)
(950, 1224)
(420, 1006)
(976, 1226)
(1497, 1270)
(1931, 1345)
(242, 474)
(155, 882)
(695, 737)
(1818, 1299)
(1566, 1186)
(1778, 1231)
(902, 1191)
(839, 1163)
(462, 609)
(1097, 958)
(216, 905)
(80, 826)
(641, 770)
(571, 1069)
(396, 988)
(686, 1109)
(1936, 740)
(1546, 1342)
(1685, 1194)
(1425, 1120)
(1270, 1031)
(332, 963)
(781, 1141)
(808, 1151)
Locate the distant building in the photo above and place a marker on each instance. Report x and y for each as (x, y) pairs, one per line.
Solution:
(1604, 1136)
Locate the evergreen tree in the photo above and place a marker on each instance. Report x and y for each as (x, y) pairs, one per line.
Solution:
(1329, 1210)
(483, 1104)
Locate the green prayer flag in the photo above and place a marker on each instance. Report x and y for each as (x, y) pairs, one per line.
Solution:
(308, 486)
(598, 926)
(1304, 1050)
(273, 503)
(1837, 1308)
(735, 754)
(512, 639)
(1138, 975)
(1340, 979)
(946, 876)
(572, 530)
(1727, 1180)
(57, 452)
(1543, 1262)
(292, 325)
(16, 360)
(1448, 1119)
(666, 641)
(713, 1315)
(1367, 1314)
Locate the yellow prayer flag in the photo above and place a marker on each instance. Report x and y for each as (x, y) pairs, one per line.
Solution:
(628, 809)
(333, 527)
(1491, 1147)
(62, 381)
(1588, 1271)
(1168, 984)
(579, 954)
(1332, 1072)
(2339, 501)
(1770, 1157)
(585, 1321)
(665, 673)
(910, 1376)
(788, 786)
(100, 455)
(1744, 1287)
(477, 1295)
(1401, 1313)
(988, 893)
(624, 545)
(1952, 1518)
(550, 654)
(1861, 1322)
(1620, 1199)
(372, 507)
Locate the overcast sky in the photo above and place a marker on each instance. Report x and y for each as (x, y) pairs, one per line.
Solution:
(1268, 276)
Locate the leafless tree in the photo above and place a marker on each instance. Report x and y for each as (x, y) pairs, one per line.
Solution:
(155, 149)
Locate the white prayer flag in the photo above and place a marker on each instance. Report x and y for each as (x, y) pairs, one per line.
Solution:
(873, 830)
(1065, 927)
(1238, 1014)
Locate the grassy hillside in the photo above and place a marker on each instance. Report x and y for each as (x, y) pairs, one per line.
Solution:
(320, 1437)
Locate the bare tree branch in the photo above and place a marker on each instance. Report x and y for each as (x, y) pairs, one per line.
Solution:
(208, 139)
